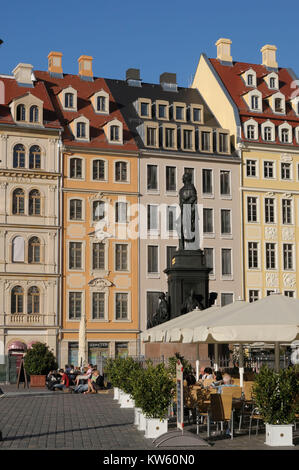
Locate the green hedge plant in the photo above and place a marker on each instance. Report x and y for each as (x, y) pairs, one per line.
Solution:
(39, 360)
(275, 394)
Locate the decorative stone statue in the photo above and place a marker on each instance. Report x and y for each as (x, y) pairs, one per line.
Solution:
(191, 303)
(162, 312)
(188, 201)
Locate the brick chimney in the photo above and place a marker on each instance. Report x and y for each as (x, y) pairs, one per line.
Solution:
(269, 56)
(23, 74)
(55, 64)
(223, 50)
(85, 67)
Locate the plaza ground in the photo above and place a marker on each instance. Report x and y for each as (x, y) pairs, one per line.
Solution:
(36, 419)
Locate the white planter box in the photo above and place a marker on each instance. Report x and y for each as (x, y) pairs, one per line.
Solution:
(155, 427)
(120, 396)
(279, 435)
(142, 422)
(126, 401)
(137, 416)
(116, 393)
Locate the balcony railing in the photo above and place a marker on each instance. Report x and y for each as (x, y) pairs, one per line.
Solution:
(28, 319)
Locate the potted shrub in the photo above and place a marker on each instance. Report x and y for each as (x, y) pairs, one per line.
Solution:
(128, 370)
(38, 361)
(152, 394)
(275, 395)
(110, 371)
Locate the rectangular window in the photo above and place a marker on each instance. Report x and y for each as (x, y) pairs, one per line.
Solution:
(250, 168)
(196, 115)
(251, 209)
(285, 171)
(288, 256)
(170, 178)
(121, 257)
(151, 139)
(152, 259)
(152, 303)
(75, 209)
(152, 177)
(98, 305)
(226, 261)
(121, 210)
(270, 256)
(121, 306)
(75, 305)
(226, 222)
(75, 168)
(152, 217)
(75, 255)
(170, 217)
(226, 299)
(162, 111)
(205, 141)
(268, 170)
(225, 183)
(121, 172)
(98, 256)
(209, 256)
(169, 138)
(269, 211)
(289, 293)
(207, 181)
(144, 109)
(170, 252)
(253, 295)
(286, 211)
(223, 142)
(114, 133)
(179, 113)
(187, 139)
(253, 255)
(208, 226)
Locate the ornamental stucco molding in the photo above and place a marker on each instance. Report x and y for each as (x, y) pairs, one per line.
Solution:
(289, 280)
(100, 283)
(271, 279)
(285, 157)
(271, 233)
(288, 234)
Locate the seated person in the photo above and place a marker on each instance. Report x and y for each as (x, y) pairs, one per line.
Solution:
(218, 379)
(208, 373)
(85, 376)
(64, 383)
(227, 382)
(95, 383)
(52, 379)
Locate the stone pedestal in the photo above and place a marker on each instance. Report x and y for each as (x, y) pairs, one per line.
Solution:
(188, 272)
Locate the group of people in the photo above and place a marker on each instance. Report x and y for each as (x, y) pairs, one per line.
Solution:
(219, 380)
(72, 378)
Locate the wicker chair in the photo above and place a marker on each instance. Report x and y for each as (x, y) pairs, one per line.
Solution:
(221, 411)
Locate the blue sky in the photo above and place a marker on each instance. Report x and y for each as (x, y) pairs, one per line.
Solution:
(155, 35)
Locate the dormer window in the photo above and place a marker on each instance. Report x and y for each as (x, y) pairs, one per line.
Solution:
(21, 113)
(285, 136)
(114, 133)
(144, 109)
(162, 111)
(179, 111)
(278, 105)
(251, 129)
(267, 133)
(101, 103)
(250, 79)
(81, 130)
(272, 82)
(33, 115)
(255, 102)
(251, 132)
(69, 100)
(285, 133)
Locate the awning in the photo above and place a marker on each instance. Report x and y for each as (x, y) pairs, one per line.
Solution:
(17, 346)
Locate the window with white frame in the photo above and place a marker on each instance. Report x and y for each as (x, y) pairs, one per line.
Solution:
(170, 178)
(207, 181)
(285, 170)
(98, 256)
(251, 168)
(253, 259)
(121, 212)
(152, 177)
(75, 305)
(250, 131)
(98, 210)
(268, 169)
(121, 171)
(288, 261)
(208, 220)
(268, 134)
(209, 257)
(76, 167)
(253, 295)
(287, 217)
(152, 217)
(121, 257)
(226, 228)
(76, 209)
(270, 255)
(225, 187)
(152, 259)
(98, 170)
(226, 262)
(285, 136)
(121, 306)
(251, 209)
(170, 218)
(75, 255)
(269, 210)
(98, 305)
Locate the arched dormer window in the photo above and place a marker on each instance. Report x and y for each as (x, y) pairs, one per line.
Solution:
(285, 133)
(35, 157)
(251, 129)
(100, 102)
(268, 131)
(34, 250)
(19, 156)
(34, 202)
(33, 300)
(21, 113)
(34, 114)
(17, 300)
(18, 202)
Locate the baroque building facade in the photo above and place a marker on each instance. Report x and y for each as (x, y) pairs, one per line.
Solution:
(258, 103)
(30, 222)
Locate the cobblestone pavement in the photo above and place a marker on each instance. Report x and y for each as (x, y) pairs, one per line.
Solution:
(47, 420)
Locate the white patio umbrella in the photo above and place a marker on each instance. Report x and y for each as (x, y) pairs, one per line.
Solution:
(273, 319)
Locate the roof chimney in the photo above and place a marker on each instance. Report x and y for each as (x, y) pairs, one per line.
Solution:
(23, 74)
(223, 51)
(168, 81)
(54, 64)
(133, 77)
(269, 56)
(85, 67)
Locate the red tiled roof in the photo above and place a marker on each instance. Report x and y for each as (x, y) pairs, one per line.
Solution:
(13, 90)
(85, 89)
(234, 84)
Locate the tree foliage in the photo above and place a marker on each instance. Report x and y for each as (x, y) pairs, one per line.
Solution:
(39, 360)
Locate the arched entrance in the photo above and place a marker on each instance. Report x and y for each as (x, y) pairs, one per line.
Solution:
(16, 351)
